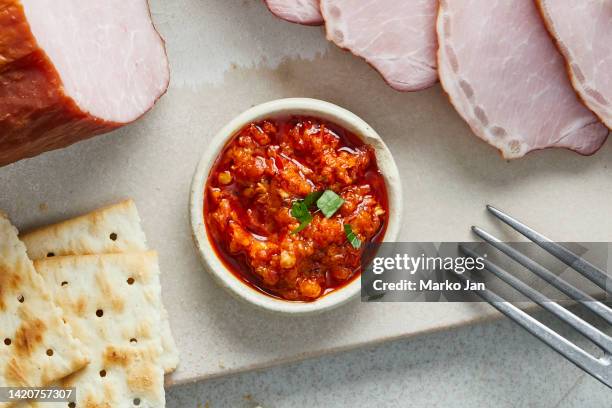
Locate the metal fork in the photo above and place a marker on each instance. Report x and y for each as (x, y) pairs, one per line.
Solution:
(598, 367)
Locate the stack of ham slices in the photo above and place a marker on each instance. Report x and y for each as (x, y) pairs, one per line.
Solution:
(525, 75)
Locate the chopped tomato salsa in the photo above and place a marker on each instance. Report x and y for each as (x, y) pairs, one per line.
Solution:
(290, 204)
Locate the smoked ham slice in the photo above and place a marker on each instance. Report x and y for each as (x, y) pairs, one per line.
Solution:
(72, 69)
(296, 11)
(398, 38)
(583, 33)
(505, 77)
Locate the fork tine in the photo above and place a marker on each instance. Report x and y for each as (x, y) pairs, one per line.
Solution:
(590, 271)
(592, 333)
(596, 307)
(551, 338)
(560, 344)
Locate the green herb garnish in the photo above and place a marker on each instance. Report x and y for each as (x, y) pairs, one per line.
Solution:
(352, 238)
(299, 211)
(329, 203)
(312, 198)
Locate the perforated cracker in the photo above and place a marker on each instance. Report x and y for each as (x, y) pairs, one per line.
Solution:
(112, 229)
(112, 304)
(36, 346)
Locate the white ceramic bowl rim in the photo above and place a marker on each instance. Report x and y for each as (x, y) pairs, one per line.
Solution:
(300, 107)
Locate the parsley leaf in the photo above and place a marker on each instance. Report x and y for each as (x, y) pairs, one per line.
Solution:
(351, 237)
(299, 211)
(302, 226)
(312, 198)
(329, 203)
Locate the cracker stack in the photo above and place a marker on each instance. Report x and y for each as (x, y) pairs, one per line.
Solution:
(37, 347)
(96, 268)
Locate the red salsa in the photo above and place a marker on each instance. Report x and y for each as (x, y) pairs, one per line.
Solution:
(267, 170)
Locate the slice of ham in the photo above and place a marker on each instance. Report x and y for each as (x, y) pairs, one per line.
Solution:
(72, 69)
(505, 77)
(583, 33)
(296, 11)
(398, 38)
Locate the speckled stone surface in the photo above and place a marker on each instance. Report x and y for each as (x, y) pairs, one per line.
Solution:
(227, 55)
(490, 365)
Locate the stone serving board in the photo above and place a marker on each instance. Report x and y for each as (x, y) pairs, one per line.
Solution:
(228, 55)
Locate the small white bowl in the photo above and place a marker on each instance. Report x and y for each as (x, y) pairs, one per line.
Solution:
(287, 107)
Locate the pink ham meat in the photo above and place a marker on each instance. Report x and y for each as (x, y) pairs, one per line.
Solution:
(72, 69)
(505, 77)
(583, 33)
(296, 11)
(398, 38)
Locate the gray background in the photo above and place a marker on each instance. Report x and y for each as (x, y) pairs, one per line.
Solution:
(489, 365)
